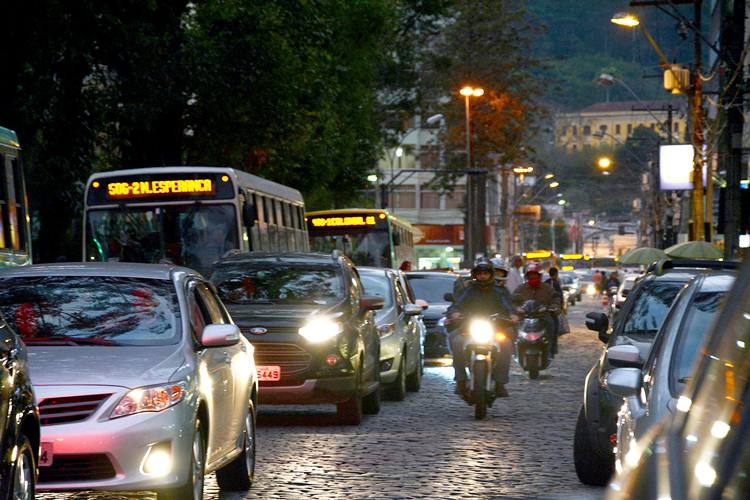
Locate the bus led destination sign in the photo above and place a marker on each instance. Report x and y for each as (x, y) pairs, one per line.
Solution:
(153, 188)
(358, 220)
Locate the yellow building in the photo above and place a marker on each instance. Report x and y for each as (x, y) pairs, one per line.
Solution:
(612, 122)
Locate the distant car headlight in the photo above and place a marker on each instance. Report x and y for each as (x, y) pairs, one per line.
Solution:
(155, 399)
(591, 290)
(441, 321)
(319, 330)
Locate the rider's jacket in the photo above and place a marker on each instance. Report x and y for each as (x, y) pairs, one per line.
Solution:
(542, 293)
(476, 300)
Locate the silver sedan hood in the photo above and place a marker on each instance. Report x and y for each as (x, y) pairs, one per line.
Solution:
(122, 366)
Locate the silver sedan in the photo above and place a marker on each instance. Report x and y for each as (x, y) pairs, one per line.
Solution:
(143, 381)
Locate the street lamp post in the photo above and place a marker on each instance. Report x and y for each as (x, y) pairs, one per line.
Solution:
(695, 95)
(474, 228)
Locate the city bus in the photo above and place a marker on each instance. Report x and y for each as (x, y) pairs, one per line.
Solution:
(188, 216)
(15, 222)
(368, 237)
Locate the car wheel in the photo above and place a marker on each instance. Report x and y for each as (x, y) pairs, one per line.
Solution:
(24, 480)
(397, 390)
(371, 402)
(193, 490)
(350, 411)
(591, 467)
(414, 381)
(238, 474)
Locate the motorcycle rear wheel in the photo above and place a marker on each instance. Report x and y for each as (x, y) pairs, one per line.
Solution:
(532, 364)
(480, 390)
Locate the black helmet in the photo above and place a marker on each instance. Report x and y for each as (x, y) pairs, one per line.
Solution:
(483, 264)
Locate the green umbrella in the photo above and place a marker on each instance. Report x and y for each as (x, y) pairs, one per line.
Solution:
(643, 256)
(695, 250)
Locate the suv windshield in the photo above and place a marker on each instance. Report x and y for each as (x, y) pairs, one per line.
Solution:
(253, 283)
(91, 310)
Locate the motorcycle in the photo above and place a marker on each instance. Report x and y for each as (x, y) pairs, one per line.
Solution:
(487, 336)
(611, 302)
(532, 344)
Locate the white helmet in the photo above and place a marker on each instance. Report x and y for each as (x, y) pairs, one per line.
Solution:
(501, 270)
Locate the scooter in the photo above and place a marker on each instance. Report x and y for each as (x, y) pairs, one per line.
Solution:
(487, 336)
(532, 344)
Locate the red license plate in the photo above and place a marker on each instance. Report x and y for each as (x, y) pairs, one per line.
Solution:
(268, 373)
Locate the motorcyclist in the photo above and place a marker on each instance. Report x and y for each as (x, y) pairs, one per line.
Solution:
(482, 297)
(501, 274)
(534, 289)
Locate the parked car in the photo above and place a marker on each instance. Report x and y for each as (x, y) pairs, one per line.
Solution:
(431, 286)
(639, 319)
(400, 341)
(702, 450)
(19, 419)
(312, 326)
(626, 285)
(143, 381)
(652, 392)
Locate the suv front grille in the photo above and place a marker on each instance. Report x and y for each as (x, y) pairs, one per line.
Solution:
(430, 323)
(291, 358)
(69, 409)
(73, 468)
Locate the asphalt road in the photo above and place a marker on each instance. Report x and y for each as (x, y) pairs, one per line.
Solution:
(429, 446)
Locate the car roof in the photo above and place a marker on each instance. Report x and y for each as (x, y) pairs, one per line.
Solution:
(235, 257)
(434, 274)
(374, 270)
(120, 269)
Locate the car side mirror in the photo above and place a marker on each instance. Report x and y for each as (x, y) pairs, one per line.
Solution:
(598, 322)
(412, 309)
(624, 355)
(625, 292)
(372, 302)
(422, 303)
(625, 382)
(448, 297)
(220, 335)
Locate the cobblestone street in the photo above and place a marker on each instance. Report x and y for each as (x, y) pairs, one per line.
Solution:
(430, 445)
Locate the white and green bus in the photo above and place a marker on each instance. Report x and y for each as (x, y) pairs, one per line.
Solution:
(15, 232)
(189, 216)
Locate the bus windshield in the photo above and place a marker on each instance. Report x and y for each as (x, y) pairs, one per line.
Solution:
(192, 235)
(365, 246)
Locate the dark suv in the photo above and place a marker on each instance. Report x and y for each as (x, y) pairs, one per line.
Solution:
(432, 286)
(641, 315)
(312, 327)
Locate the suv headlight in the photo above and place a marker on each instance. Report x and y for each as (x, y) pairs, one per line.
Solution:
(319, 330)
(155, 399)
(385, 331)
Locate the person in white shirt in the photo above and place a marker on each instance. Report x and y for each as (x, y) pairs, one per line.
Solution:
(515, 276)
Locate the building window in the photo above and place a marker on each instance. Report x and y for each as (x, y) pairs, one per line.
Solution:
(404, 197)
(617, 129)
(652, 126)
(630, 129)
(587, 130)
(676, 128)
(603, 128)
(429, 158)
(575, 129)
(455, 199)
(429, 199)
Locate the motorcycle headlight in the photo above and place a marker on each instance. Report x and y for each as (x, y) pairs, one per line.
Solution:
(320, 329)
(481, 331)
(155, 399)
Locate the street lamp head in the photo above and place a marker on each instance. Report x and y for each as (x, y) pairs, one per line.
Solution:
(468, 91)
(399, 152)
(605, 162)
(433, 119)
(599, 134)
(606, 80)
(625, 19)
(554, 185)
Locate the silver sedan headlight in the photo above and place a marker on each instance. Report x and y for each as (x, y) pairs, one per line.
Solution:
(154, 399)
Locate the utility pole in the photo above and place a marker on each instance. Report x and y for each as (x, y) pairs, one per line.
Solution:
(696, 98)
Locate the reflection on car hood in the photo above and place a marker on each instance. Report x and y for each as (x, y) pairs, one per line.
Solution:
(126, 366)
(247, 314)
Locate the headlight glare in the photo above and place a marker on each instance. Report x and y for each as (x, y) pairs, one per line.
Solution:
(154, 399)
(481, 331)
(320, 330)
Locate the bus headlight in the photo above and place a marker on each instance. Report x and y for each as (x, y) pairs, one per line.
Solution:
(481, 331)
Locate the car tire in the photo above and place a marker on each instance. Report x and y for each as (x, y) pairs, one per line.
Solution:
(414, 381)
(371, 402)
(591, 467)
(24, 477)
(238, 474)
(193, 490)
(350, 411)
(397, 390)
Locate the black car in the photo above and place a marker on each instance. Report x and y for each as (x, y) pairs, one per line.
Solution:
(638, 321)
(312, 327)
(432, 286)
(702, 450)
(19, 419)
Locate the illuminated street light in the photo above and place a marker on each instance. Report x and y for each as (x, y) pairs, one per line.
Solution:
(604, 163)
(475, 230)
